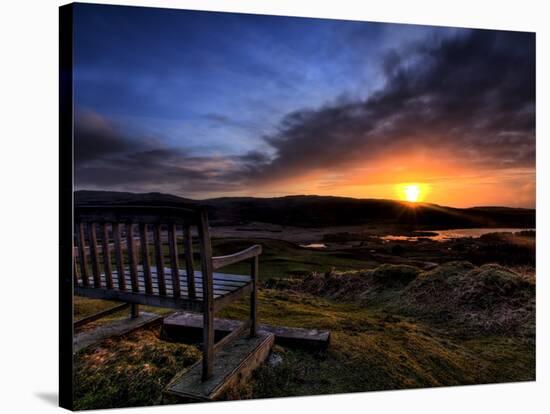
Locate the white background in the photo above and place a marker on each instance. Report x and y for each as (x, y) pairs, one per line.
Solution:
(29, 206)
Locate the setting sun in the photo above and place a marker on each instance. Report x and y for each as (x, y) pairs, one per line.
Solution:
(412, 192)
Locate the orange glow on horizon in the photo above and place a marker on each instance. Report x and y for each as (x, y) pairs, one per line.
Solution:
(414, 176)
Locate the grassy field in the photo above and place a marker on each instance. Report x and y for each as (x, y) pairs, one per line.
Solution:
(381, 338)
(370, 350)
(375, 350)
(283, 259)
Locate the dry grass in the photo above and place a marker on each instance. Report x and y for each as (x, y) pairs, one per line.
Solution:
(128, 371)
(373, 349)
(489, 299)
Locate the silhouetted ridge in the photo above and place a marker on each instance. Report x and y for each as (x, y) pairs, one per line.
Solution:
(318, 211)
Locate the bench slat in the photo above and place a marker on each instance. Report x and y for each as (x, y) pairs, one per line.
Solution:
(132, 256)
(159, 259)
(217, 285)
(92, 242)
(219, 291)
(107, 256)
(82, 254)
(119, 258)
(75, 271)
(188, 248)
(173, 247)
(145, 257)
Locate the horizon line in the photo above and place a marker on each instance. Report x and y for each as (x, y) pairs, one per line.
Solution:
(417, 203)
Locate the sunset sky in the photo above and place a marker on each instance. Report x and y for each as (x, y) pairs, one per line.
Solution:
(202, 104)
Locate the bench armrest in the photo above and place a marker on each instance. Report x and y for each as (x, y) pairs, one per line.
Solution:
(221, 261)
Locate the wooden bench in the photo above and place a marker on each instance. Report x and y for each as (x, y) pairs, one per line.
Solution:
(131, 254)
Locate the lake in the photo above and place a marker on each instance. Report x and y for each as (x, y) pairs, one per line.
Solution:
(443, 235)
(314, 246)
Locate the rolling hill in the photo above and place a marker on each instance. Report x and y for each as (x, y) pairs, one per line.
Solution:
(320, 211)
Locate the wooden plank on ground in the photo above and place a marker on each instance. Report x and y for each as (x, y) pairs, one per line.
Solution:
(232, 365)
(187, 327)
(94, 317)
(116, 328)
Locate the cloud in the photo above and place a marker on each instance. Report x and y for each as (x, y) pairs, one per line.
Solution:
(106, 157)
(473, 95)
(96, 138)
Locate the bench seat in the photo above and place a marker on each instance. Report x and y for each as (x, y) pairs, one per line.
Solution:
(225, 286)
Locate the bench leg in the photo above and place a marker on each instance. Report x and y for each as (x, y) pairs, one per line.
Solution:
(254, 297)
(134, 312)
(208, 344)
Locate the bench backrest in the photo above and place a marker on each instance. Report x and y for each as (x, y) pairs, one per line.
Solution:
(140, 238)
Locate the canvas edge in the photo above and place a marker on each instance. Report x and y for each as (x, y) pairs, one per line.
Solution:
(66, 267)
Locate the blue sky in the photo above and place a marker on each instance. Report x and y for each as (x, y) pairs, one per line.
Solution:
(219, 81)
(215, 90)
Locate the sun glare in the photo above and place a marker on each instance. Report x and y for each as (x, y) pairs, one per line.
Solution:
(411, 192)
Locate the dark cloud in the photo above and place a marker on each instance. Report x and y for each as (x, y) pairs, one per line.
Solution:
(96, 138)
(105, 157)
(472, 94)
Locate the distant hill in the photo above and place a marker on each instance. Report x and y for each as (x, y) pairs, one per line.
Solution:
(318, 211)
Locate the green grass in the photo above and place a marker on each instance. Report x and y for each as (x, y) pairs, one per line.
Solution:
(281, 258)
(373, 350)
(370, 350)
